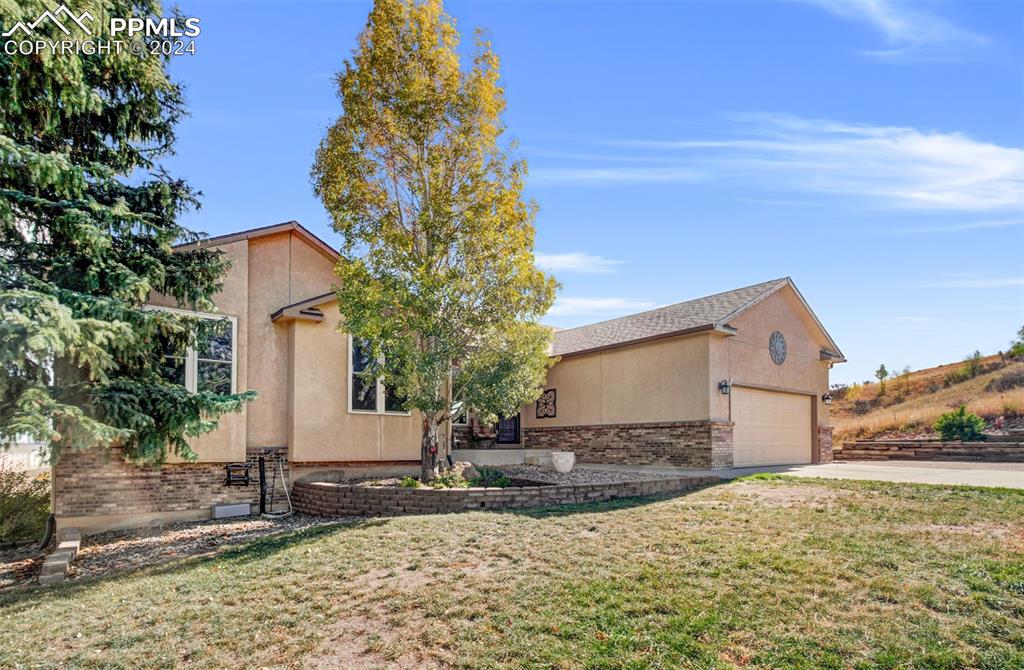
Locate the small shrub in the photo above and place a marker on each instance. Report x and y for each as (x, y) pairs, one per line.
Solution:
(449, 480)
(861, 407)
(492, 477)
(409, 482)
(24, 504)
(972, 365)
(1016, 349)
(1006, 381)
(934, 388)
(955, 376)
(839, 391)
(960, 425)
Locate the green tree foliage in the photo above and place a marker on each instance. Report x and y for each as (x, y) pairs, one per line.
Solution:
(960, 425)
(437, 269)
(1017, 346)
(87, 223)
(881, 374)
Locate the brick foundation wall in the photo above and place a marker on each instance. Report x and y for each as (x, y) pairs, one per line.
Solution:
(692, 444)
(931, 450)
(98, 482)
(823, 447)
(328, 499)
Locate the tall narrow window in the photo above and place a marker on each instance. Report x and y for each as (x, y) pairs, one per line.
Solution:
(370, 395)
(213, 358)
(364, 391)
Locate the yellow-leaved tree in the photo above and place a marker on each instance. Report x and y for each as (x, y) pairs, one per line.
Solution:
(437, 281)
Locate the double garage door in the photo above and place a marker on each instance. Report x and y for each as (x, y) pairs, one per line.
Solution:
(770, 428)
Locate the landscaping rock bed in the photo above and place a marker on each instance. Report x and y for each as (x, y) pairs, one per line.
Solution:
(579, 475)
(133, 549)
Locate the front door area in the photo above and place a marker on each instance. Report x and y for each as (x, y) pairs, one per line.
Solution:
(508, 430)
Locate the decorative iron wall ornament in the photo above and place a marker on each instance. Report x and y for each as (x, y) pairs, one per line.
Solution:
(547, 405)
(777, 347)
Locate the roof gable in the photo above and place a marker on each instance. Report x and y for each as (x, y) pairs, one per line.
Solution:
(294, 227)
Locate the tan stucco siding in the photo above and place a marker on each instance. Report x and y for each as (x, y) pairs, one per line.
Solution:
(268, 350)
(745, 358)
(282, 269)
(665, 380)
(321, 426)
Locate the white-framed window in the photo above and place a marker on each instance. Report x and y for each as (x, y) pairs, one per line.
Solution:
(368, 396)
(212, 364)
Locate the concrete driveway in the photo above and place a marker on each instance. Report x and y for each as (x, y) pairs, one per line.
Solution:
(1009, 475)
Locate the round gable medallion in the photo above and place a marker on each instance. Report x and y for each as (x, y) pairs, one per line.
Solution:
(777, 348)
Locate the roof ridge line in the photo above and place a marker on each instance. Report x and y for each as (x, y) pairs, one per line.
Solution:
(673, 304)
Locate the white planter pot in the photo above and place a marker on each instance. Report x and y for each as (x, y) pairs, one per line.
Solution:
(563, 461)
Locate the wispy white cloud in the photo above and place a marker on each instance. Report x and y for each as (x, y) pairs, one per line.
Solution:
(993, 282)
(598, 306)
(910, 32)
(613, 175)
(576, 261)
(891, 165)
(959, 227)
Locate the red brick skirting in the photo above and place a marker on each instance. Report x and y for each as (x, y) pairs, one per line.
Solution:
(931, 450)
(96, 482)
(692, 444)
(329, 499)
(824, 446)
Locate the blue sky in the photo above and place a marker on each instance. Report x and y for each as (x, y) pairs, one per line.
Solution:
(871, 149)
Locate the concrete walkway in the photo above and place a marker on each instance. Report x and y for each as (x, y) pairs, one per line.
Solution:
(1009, 475)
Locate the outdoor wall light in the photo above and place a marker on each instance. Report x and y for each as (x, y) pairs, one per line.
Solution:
(827, 398)
(724, 386)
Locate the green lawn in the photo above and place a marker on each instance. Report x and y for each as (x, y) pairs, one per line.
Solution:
(756, 573)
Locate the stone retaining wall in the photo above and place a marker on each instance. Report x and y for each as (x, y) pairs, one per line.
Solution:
(691, 444)
(931, 450)
(329, 499)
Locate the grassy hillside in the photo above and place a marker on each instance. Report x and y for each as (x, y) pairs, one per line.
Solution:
(910, 403)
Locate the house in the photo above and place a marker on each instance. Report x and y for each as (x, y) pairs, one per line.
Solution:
(732, 379)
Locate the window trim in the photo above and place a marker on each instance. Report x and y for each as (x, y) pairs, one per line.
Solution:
(380, 399)
(192, 354)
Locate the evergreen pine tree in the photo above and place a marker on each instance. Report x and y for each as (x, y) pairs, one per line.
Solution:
(87, 222)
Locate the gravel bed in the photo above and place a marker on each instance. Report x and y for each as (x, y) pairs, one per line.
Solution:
(581, 475)
(133, 549)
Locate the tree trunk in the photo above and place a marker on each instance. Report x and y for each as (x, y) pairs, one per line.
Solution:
(428, 450)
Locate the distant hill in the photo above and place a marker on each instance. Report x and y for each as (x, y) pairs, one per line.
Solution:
(991, 387)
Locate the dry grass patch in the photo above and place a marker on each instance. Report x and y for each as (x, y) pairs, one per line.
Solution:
(760, 573)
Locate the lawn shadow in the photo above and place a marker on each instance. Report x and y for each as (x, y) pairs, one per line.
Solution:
(238, 553)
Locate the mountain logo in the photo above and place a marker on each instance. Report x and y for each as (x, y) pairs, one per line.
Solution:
(27, 28)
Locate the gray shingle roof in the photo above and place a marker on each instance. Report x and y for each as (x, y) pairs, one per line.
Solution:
(702, 312)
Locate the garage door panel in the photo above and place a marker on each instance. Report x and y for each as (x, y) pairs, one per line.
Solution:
(770, 427)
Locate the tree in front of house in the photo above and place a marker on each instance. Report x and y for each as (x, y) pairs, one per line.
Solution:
(87, 220)
(437, 276)
(881, 374)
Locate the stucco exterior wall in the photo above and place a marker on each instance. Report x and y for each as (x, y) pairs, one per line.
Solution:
(745, 359)
(321, 428)
(227, 443)
(660, 381)
(282, 269)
